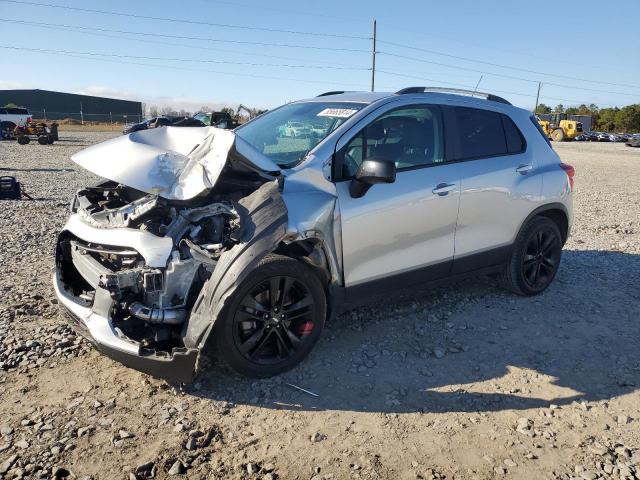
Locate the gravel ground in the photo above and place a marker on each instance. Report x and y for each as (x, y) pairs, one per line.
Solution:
(463, 381)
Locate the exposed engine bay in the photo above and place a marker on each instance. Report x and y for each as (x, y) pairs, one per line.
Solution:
(150, 304)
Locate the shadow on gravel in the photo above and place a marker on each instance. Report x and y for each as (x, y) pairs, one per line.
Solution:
(582, 332)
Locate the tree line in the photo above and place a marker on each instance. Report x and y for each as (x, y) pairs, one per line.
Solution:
(615, 119)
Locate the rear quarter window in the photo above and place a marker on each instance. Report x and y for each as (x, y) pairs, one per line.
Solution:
(513, 136)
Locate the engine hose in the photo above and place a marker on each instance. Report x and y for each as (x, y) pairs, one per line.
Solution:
(163, 316)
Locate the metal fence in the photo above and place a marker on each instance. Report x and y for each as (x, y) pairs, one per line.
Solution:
(110, 117)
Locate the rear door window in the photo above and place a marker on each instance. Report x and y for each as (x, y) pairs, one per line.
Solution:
(480, 133)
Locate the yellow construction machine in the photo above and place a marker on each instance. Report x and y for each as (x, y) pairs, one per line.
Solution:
(559, 128)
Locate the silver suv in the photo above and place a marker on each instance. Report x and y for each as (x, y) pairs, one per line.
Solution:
(245, 242)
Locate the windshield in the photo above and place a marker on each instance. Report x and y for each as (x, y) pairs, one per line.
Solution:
(287, 134)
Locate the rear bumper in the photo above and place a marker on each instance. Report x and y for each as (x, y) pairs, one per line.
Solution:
(179, 366)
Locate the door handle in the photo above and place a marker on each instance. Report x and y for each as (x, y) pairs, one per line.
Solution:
(524, 169)
(443, 189)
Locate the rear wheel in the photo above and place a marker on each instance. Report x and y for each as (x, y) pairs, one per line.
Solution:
(557, 135)
(273, 319)
(535, 258)
(42, 140)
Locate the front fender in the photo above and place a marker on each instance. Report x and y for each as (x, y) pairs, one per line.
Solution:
(263, 220)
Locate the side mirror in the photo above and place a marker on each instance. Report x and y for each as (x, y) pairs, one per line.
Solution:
(372, 171)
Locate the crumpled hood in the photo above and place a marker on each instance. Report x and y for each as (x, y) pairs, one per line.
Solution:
(176, 163)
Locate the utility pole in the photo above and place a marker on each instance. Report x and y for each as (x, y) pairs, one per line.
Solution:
(44, 113)
(373, 59)
(81, 115)
(537, 98)
(478, 84)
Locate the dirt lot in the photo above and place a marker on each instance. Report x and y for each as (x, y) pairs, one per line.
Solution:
(463, 381)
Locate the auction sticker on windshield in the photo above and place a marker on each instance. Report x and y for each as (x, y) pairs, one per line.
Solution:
(337, 112)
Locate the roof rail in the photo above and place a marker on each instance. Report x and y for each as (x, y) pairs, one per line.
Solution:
(457, 91)
(335, 92)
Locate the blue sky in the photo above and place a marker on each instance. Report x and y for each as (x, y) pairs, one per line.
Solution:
(451, 43)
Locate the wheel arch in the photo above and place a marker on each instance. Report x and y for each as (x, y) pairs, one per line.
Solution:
(316, 254)
(264, 231)
(554, 211)
(310, 251)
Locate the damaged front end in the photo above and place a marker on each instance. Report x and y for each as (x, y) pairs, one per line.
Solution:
(131, 262)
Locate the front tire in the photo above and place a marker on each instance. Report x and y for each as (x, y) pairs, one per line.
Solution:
(273, 319)
(557, 135)
(535, 258)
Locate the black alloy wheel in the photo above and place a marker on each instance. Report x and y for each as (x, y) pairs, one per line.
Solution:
(541, 258)
(274, 320)
(535, 257)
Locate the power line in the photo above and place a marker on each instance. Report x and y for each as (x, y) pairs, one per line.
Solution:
(157, 42)
(191, 69)
(185, 37)
(448, 83)
(494, 48)
(285, 10)
(448, 65)
(395, 74)
(573, 87)
(505, 66)
(186, 21)
(402, 75)
(177, 59)
(573, 101)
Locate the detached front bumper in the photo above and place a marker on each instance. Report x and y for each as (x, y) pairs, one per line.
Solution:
(179, 366)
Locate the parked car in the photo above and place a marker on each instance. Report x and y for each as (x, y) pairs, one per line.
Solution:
(201, 119)
(603, 137)
(154, 122)
(591, 136)
(634, 141)
(242, 244)
(296, 129)
(12, 117)
(136, 127)
(188, 122)
(581, 138)
(617, 137)
(216, 119)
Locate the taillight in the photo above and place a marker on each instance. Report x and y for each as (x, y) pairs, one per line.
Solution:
(570, 171)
